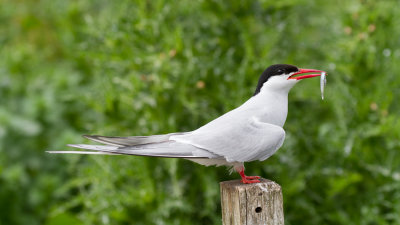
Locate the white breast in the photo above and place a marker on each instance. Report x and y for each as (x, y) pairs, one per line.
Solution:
(268, 106)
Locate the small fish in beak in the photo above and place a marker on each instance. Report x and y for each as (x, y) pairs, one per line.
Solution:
(323, 83)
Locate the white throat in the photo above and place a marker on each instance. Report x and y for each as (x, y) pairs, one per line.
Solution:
(279, 84)
(272, 100)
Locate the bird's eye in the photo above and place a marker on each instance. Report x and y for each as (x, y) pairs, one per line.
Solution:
(280, 71)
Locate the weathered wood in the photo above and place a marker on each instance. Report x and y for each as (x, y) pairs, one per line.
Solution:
(251, 204)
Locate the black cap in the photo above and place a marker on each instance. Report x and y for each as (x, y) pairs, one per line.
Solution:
(274, 70)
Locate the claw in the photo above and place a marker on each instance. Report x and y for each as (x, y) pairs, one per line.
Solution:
(245, 181)
(253, 177)
(248, 179)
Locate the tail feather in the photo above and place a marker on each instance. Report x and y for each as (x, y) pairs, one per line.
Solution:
(94, 147)
(169, 149)
(82, 152)
(131, 140)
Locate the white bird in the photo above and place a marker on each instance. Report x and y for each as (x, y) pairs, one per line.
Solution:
(253, 131)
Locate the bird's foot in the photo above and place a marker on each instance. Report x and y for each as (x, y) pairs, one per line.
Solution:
(248, 179)
(252, 177)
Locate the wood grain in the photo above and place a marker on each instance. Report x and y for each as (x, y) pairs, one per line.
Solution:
(251, 204)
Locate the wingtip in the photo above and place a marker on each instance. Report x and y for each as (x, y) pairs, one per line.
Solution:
(88, 136)
(57, 152)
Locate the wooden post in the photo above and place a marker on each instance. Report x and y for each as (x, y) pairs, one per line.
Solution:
(251, 204)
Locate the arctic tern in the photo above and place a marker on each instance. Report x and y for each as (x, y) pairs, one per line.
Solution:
(253, 131)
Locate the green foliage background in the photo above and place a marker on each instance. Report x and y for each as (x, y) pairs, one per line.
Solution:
(143, 67)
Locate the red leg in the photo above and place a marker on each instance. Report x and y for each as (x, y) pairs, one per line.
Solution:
(248, 179)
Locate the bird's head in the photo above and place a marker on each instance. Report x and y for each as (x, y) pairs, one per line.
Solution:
(283, 77)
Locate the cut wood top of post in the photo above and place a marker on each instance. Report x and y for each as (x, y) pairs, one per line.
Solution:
(265, 183)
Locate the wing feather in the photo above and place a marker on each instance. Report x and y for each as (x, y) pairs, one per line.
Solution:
(130, 140)
(169, 149)
(238, 141)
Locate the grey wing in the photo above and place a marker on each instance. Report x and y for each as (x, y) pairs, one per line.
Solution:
(155, 145)
(237, 141)
(131, 140)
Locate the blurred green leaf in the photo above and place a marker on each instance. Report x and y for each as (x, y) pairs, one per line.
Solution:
(63, 219)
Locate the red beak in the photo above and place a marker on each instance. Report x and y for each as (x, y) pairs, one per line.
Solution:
(308, 74)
